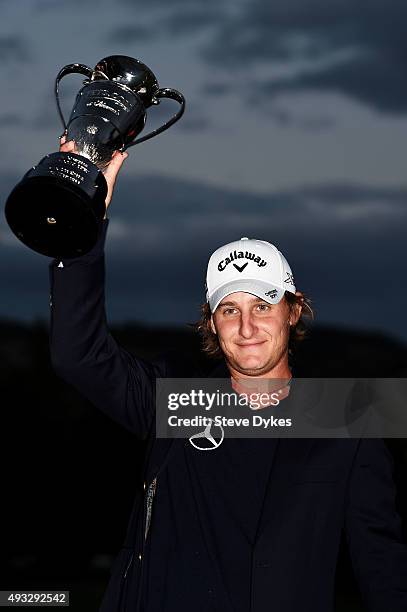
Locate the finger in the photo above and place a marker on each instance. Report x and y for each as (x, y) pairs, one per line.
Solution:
(119, 156)
(115, 164)
(68, 147)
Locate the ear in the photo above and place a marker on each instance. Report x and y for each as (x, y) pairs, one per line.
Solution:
(296, 309)
(212, 326)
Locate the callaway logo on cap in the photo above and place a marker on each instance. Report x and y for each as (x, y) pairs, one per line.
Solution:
(253, 266)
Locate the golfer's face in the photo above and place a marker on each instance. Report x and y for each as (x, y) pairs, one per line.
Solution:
(253, 334)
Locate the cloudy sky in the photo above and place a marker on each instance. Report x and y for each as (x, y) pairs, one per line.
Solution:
(295, 132)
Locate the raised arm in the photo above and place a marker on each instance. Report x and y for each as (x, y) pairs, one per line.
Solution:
(83, 352)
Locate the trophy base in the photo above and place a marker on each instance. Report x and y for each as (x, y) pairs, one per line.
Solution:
(54, 217)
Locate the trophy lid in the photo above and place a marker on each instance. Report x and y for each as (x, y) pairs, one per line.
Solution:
(129, 72)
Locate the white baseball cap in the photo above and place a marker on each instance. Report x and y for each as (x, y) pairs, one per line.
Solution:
(249, 265)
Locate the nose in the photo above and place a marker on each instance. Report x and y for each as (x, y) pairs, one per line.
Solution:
(247, 325)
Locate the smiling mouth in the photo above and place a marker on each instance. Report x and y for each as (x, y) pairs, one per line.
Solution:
(248, 345)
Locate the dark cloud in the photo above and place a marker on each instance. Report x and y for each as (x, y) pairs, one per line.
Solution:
(162, 4)
(216, 88)
(303, 121)
(354, 49)
(344, 242)
(11, 120)
(45, 6)
(132, 34)
(192, 19)
(357, 49)
(194, 123)
(14, 49)
(178, 19)
(376, 83)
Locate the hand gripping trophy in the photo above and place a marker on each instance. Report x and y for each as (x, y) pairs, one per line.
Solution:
(58, 206)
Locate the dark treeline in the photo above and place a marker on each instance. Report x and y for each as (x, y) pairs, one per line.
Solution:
(66, 467)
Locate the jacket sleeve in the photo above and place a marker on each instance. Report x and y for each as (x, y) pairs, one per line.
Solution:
(84, 353)
(374, 531)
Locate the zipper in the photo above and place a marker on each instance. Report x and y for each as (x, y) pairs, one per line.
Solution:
(130, 561)
(149, 505)
(51, 301)
(146, 522)
(147, 513)
(123, 585)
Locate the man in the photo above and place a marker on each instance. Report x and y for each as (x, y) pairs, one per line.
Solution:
(255, 525)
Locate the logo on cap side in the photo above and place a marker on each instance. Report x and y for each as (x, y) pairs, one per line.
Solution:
(272, 293)
(289, 279)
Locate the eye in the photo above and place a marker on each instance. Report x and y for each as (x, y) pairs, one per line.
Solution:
(263, 307)
(229, 311)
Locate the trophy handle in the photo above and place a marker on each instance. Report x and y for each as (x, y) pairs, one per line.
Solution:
(69, 69)
(166, 92)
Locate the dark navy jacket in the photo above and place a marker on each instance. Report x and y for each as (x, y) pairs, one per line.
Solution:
(318, 487)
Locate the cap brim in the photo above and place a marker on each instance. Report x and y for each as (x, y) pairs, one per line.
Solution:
(265, 291)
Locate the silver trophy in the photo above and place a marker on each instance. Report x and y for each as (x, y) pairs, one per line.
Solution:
(58, 206)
